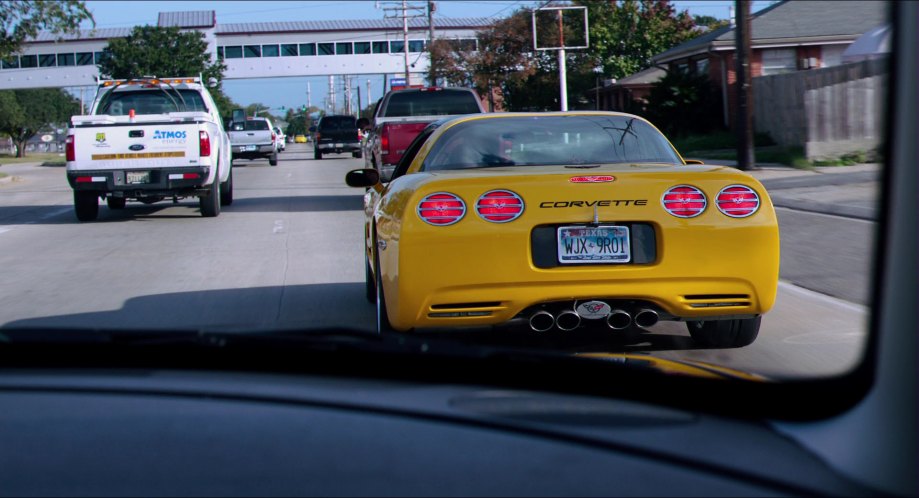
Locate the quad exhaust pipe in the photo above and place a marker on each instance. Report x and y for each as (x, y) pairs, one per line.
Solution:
(646, 318)
(619, 320)
(567, 320)
(541, 321)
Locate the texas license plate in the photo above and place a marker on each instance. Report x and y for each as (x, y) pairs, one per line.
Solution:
(601, 244)
(339, 145)
(137, 177)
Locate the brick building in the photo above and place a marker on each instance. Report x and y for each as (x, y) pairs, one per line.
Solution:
(792, 35)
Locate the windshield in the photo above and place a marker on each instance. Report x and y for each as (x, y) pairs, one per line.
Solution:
(546, 140)
(121, 102)
(627, 223)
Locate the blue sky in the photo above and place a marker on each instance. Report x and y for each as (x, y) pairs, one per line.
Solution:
(290, 92)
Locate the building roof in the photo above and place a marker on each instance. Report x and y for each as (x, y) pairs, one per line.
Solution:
(646, 77)
(350, 25)
(83, 34)
(792, 22)
(207, 19)
(190, 19)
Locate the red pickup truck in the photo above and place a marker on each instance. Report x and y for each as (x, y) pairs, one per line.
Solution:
(402, 114)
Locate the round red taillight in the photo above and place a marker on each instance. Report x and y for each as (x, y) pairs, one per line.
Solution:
(441, 208)
(684, 201)
(737, 201)
(499, 206)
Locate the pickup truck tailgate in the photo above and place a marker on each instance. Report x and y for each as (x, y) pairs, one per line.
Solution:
(114, 142)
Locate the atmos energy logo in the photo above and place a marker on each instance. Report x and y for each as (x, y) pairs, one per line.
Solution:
(170, 137)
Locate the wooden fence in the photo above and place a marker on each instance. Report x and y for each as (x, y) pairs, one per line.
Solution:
(830, 112)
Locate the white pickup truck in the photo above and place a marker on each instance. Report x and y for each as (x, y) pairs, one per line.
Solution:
(149, 139)
(254, 138)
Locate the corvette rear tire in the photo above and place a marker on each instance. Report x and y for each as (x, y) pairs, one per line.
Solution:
(383, 325)
(725, 333)
(370, 285)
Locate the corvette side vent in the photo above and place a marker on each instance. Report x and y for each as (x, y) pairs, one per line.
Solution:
(717, 300)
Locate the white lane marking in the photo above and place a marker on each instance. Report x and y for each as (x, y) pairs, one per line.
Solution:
(825, 215)
(4, 230)
(279, 226)
(835, 301)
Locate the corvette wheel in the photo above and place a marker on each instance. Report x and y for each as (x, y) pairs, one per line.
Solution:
(370, 286)
(383, 325)
(725, 333)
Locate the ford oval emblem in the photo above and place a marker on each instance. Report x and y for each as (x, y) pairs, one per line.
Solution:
(592, 179)
(593, 310)
(136, 147)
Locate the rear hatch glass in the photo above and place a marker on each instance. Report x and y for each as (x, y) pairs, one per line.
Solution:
(337, 123)
(444, 102)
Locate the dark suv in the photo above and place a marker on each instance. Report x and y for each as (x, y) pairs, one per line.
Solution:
(336, 133)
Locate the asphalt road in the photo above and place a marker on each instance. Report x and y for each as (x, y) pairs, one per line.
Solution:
(287, 254)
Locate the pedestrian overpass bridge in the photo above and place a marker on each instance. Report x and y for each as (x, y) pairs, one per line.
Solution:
(251, 50)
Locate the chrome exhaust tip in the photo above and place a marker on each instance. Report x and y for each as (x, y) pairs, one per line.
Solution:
(619, 320)
(541, 321)
(568, 320)
(646, 318)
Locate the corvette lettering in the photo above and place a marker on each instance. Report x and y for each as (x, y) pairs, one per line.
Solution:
(599, 203)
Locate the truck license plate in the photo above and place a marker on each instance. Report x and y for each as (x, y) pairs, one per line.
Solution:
(601, 244)
(137, 177)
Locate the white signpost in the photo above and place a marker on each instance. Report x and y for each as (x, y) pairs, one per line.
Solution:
(561, 18)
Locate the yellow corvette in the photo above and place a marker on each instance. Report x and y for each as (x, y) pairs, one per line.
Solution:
(564, 221)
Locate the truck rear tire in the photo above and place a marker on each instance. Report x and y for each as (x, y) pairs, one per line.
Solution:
(273, 159)
(210, 204)
(226, 190)
(357, 154)
(86, 205)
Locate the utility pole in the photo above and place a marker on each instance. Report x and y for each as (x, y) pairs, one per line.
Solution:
(744, 121)
(406, 11)
(408, 81)
(348, 108)
(432, 71)
(369, 98)
(332, 93)
(562, 69)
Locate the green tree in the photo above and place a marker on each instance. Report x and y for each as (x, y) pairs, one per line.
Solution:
(24, 113)
(682, 103)
(165, 52)
(504, 58)
(710, 23)
(24, 19)
(625, 35)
